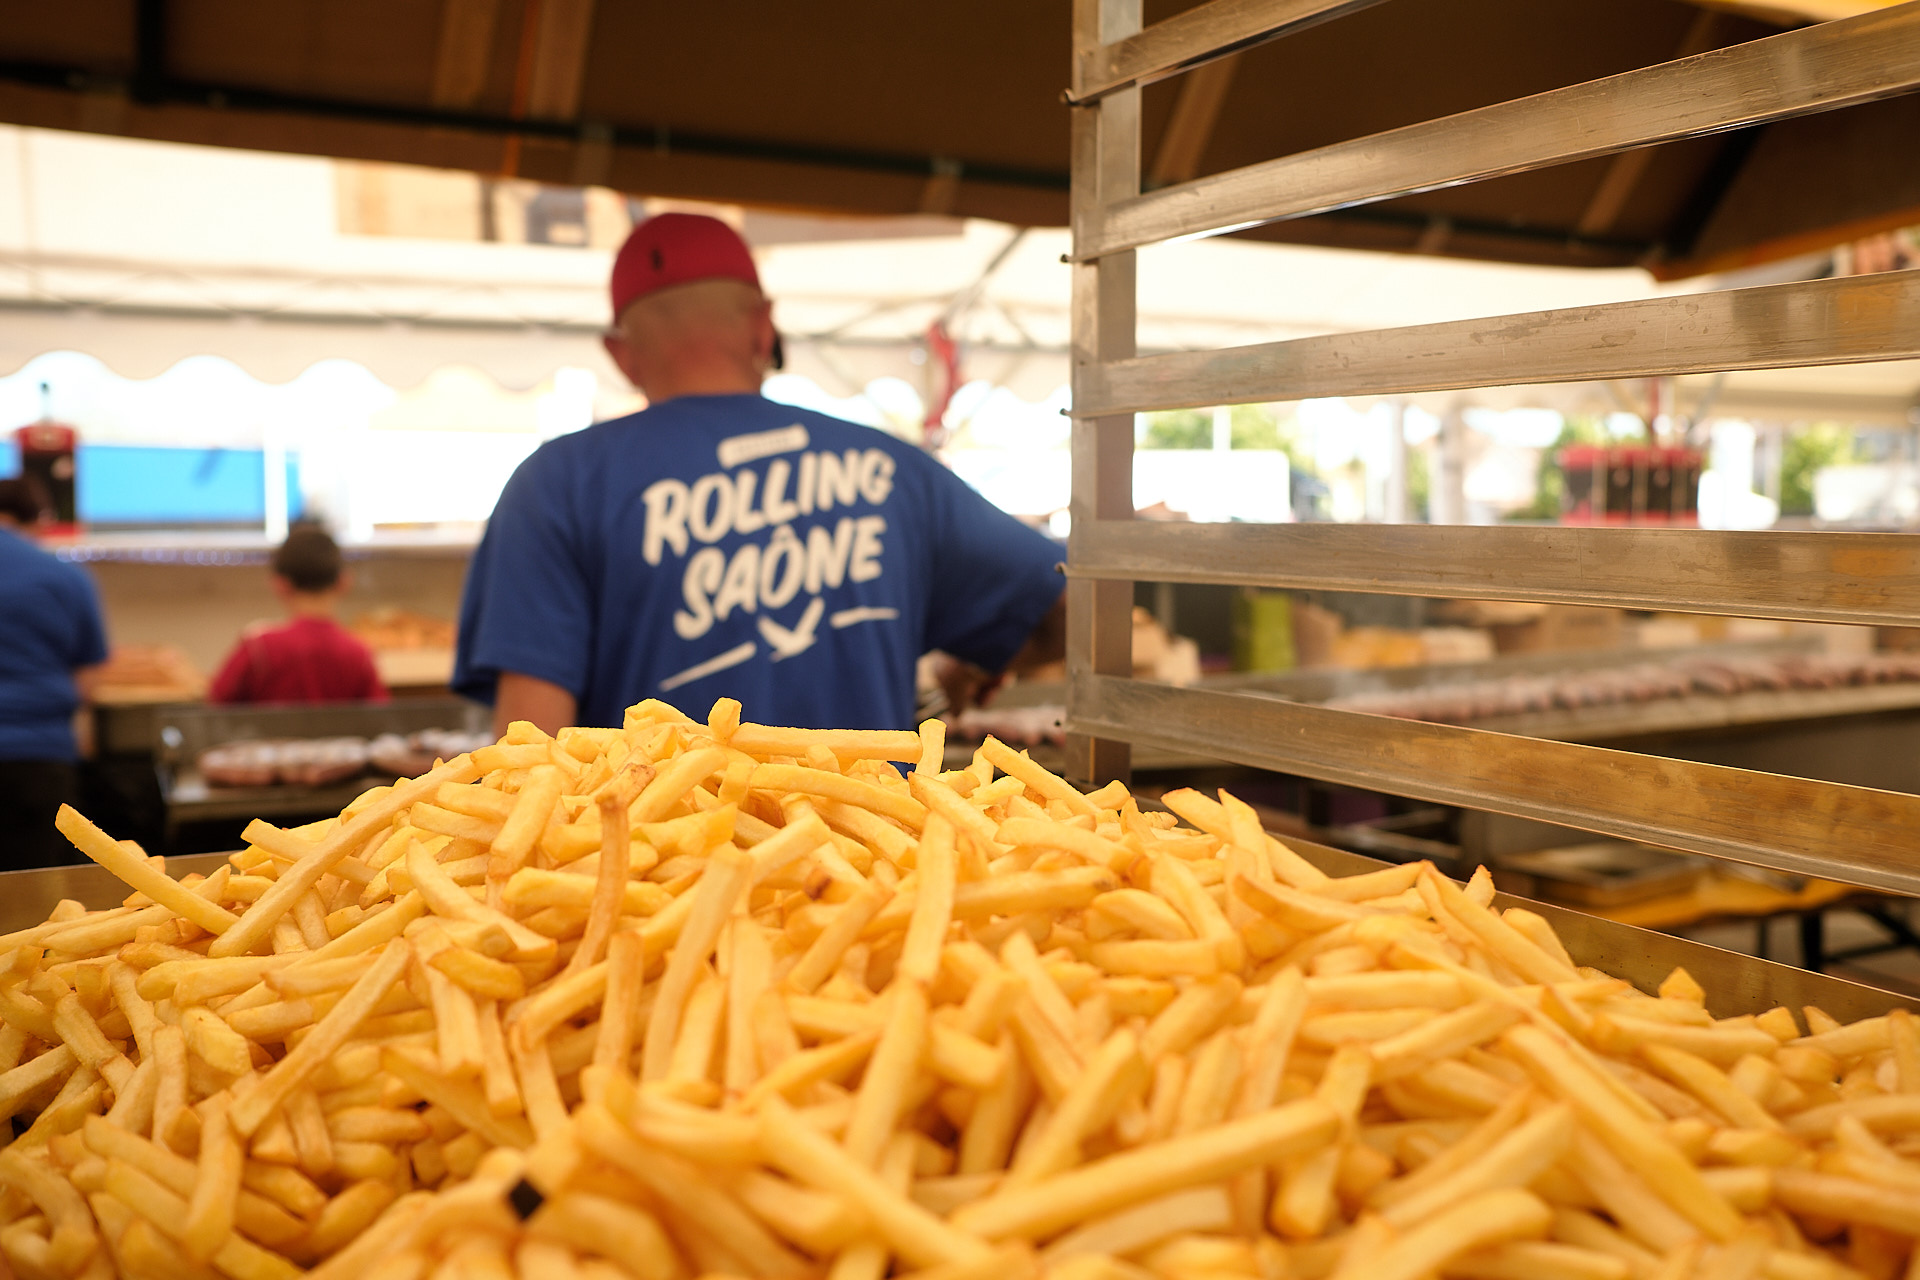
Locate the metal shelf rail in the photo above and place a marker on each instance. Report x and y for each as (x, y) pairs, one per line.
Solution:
(1853, 834)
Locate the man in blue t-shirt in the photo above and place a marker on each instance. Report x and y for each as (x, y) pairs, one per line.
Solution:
(720, 544)
(50, 635)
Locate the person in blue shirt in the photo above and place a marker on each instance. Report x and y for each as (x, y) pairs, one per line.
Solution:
(720, 544)
(51, 637)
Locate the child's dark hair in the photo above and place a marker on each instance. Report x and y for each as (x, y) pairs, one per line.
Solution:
(24, 500)
(309, 560)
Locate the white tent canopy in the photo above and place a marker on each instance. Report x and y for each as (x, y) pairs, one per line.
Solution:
(146, 254)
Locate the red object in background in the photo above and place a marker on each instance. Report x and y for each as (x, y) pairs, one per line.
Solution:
(306, 660)
(945, 355)
(1630, 485)
(1583, 468)
(46, 454)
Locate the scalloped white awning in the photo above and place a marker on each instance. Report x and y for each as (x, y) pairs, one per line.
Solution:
(143, 255)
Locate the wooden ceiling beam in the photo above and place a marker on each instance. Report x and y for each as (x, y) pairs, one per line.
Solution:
(1794, 12)
(1202, 93)
(1625, 170)
(559, 59)
(464, 53)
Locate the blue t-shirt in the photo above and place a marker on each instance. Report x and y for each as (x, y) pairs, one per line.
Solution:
(730, 546)
(49, 627)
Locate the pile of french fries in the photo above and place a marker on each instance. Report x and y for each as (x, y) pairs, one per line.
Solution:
(722, 999)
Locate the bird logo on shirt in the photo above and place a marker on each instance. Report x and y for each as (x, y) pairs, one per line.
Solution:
(788, 642)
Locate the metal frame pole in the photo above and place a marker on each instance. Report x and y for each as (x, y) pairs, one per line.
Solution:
(1106, 168)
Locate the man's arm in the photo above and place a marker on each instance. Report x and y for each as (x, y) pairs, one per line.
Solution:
(86, 680)
(520, 697)
(1047, 642)
(967, 685)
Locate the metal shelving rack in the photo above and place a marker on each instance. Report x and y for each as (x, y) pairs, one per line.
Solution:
(1847, 833)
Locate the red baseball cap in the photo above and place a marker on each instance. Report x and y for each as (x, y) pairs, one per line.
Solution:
(678, 248)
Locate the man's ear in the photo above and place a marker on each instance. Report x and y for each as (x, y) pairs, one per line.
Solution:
(766, 338)
(620, 353)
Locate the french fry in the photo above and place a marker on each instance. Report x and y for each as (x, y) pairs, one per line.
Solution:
(1532, 1259)
(749, 976)
(847, 744)
(438, 890)
(901, 808)
(915, 1234)
(1018, 764)
(1131, 1230)
(933, 903)
(141, 875)
(1515, 1159)
(1303, 1204)
(1490, 1218)
(236, 1256)
(610, 877)
(215, 1043)
(1627, 1134)
(681, 1186)
(540, 1095)
(726, 878)
(1127, 1178)
(327, 1036)
(818, 1223)
(823, 955)
(933, 745)
(883, 1089)
(73, 1240)
(1090, 846)
(1207, 1087)
(216, 1187)
(257, 922)
(1442, 1037)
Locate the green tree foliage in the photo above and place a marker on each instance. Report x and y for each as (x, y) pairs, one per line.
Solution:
(1419, 484)
(1825, 444)
(1178, 429)
(1255, 426)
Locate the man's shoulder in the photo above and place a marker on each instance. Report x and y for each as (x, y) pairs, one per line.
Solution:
(28, 564)
(703, 431)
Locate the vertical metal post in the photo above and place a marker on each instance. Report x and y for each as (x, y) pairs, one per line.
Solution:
(1106, 168)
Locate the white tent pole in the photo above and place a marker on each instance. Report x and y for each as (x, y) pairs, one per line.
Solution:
(273, 457)
(1449, 493)
(1398, 508)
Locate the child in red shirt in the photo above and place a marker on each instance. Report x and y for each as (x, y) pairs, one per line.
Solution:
(310, 657)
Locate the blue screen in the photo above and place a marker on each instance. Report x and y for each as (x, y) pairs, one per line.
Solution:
(141, 484)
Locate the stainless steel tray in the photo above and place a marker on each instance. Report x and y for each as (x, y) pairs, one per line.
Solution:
(27, 897)
(1735, 983)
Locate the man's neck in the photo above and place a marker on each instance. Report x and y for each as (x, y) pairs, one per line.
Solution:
(718, 379)
(302, 604)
